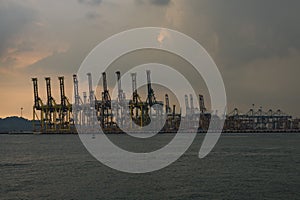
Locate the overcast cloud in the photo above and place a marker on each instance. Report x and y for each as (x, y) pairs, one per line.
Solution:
(255, 43)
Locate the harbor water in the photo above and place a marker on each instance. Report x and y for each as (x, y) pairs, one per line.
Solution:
(241, 166)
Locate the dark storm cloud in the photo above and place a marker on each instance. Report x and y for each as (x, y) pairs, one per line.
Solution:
(13, 19)
(249, 30)
(154, 2)
(90, 2)
(160, 2)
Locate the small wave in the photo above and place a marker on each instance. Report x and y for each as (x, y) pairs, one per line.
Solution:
(13, 164)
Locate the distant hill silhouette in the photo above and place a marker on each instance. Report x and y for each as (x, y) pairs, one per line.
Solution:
(15, 124)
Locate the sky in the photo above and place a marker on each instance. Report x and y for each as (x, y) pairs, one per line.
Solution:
(255, 44)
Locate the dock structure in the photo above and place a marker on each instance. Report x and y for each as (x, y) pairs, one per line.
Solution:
(260, 120)
(90, 111)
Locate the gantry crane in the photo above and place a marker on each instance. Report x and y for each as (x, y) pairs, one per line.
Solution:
(121, 102)
(57, 118)
(77, 97)
(151, 100)
(106, 111)
(52, 109)
(65, 110)
(167, 104)
(121, 94)
(38, 107)
(138, 109)
(151, 97)
(78, 104)
(91, 91)
(90, 114)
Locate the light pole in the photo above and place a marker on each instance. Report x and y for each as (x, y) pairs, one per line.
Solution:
(21, 112)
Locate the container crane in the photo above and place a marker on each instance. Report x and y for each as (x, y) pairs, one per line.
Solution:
(52, 108)
(140, 116)
(77, 102)
(65, 110)
(106, 112)
(37, 107)
(121, 101)
(167, 104)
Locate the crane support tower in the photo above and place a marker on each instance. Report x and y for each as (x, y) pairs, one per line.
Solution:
(65, 109)
(39, 109)
(52, 109)
(106, 117)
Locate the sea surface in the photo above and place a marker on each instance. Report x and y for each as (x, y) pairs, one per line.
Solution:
(241, 166)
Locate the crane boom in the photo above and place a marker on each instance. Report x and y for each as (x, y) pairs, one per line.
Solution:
(76, 90)
(37, 100)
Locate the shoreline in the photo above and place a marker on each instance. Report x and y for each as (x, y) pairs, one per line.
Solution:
(122, 133)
